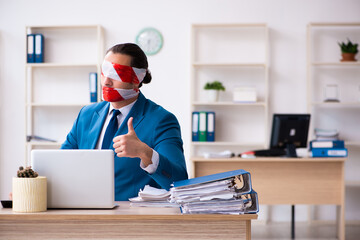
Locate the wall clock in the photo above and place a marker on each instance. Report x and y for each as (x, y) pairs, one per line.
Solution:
(150, 40)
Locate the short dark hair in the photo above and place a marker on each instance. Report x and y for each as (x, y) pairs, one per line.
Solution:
(138, 57)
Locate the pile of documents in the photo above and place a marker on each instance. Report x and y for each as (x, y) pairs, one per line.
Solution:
(326, 134)
(152, 197)
(222, 193)
(328, 148)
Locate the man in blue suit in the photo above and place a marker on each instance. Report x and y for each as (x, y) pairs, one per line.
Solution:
(147, 143)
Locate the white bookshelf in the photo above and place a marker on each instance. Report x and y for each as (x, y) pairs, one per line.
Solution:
(335, 64)
(237, 56)
(237, 144)
(59, 87)
(52, 65)
(232, 104)
(324, 67)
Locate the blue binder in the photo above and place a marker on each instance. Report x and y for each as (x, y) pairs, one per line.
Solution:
(30, 48)
(210, 134)
(195, 126)
(327, 144)
(93, 86)
(329, 152)
(39, 48)
(202, 126)
(247, 187)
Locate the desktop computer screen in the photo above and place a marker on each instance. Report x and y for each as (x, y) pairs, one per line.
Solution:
(289, 131)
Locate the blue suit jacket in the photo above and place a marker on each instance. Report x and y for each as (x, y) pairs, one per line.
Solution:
(153, 125)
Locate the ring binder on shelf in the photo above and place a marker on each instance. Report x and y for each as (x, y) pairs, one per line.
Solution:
(39, 48)
(210, 135)
(30, 48)
(93, 86)
(195, 126)
(202, 126)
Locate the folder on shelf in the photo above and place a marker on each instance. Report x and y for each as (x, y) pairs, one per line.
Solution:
(202, 126)
(195, 126)
(329, 152)
(39, 48)
(93, 86)
(327, 144)
(30, 48)
(210, 134)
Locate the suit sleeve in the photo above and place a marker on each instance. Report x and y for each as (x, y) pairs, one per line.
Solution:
(168, 143)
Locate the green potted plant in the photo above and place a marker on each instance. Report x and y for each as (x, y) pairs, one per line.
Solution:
(29, 191)
(348, 51)
(213, 89)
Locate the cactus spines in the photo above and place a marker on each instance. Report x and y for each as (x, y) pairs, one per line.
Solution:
(26, 173)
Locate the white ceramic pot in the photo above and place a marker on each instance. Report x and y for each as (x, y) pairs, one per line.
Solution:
(212, 95)
(29, 194)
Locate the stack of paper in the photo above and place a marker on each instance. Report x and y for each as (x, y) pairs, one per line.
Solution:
(224, 193)
(152, 197)
(326, 134)
(230, 206)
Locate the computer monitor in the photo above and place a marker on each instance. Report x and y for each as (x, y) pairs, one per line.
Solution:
(289, 131)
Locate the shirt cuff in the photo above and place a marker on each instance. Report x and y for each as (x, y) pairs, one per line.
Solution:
(151, 168)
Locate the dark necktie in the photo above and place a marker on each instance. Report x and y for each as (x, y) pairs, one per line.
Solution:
(110, 130)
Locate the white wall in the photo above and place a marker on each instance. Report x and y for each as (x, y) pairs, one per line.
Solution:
(122, 20)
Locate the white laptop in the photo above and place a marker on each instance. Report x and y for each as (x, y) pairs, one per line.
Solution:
(76, 178)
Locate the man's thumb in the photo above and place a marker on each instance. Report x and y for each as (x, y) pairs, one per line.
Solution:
(130, 125)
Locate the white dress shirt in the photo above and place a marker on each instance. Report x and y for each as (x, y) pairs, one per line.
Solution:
(124, 111)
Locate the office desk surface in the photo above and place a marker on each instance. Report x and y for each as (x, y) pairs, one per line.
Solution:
(123, 222)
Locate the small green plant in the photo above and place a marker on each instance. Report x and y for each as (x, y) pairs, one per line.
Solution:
(348, 47)
(216, 85)
(26, 173)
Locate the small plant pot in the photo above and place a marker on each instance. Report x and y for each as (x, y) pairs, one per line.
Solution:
(212, 95)
(348, 57)
(29, 194)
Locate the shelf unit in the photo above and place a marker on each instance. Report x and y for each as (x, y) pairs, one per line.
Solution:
(324, 67)
(58, 88)
(237, 56)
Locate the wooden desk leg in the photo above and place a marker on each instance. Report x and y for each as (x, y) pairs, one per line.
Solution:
(341, 208)
(340, 219)
(248, 230)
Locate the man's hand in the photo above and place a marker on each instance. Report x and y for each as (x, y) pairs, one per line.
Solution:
(129, 145)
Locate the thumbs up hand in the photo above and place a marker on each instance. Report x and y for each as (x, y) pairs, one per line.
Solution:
(129, 145)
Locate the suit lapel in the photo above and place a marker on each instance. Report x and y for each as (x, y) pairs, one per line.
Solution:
(96, 124)
(137, 112)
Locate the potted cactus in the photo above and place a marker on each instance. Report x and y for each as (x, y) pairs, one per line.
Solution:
(348, 51)
(29, 191)
(213, 89)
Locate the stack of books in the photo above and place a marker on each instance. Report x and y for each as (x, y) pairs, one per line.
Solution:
(222, 193)
(328, 148)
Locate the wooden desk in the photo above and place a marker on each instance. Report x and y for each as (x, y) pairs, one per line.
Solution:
(289, 180)
(123, 222)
